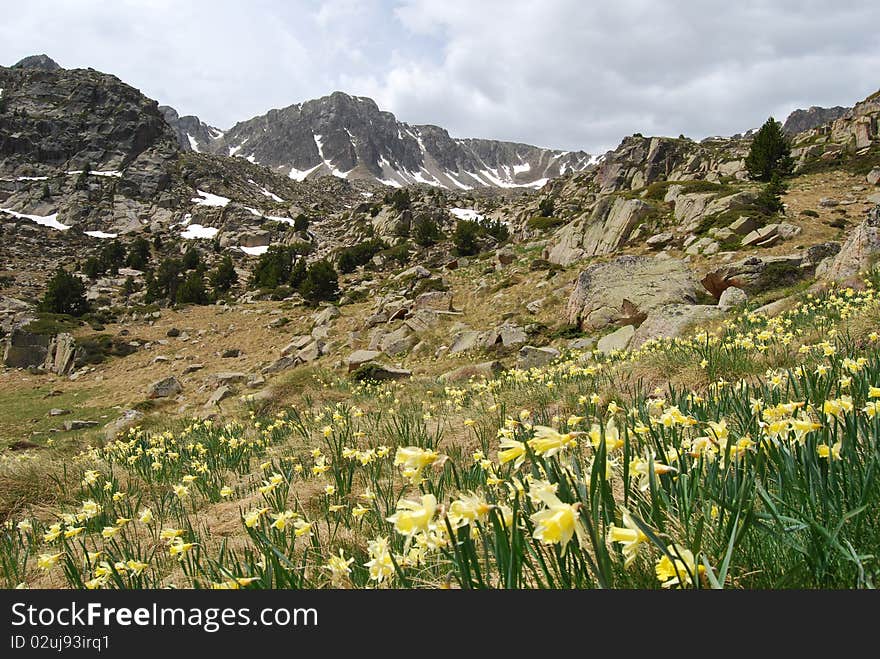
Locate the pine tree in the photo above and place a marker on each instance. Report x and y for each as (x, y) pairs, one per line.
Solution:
(465, 237)
(770, 198)
(224, 276)
(321, 282)
(770, 153)
(65, 293)
(192, 289)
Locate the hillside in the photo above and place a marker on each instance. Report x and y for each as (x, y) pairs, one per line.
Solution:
(643, 374)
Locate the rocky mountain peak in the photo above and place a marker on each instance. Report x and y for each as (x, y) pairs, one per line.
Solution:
(351, 137)
(802, 120)
(42, 61)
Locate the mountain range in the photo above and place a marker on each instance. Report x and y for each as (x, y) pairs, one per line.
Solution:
(349, 136)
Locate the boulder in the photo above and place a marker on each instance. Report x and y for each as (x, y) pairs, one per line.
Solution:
(311, 352)
(192, 368)
(505, 256)
(703, 245)
(788, 231)
(464, 341)
(164, 388)
(25, 349)
(129, 419)
(743, 226)
(674, 320)
(375, 319)
(421, 320)
(397, 342)
(506, 334)
(436, 300)
(61, 354)
(359, 357)
(230, 353)
(755, 274)
(325, 315)
(534, 357)
(219, 394)
(732, 297)
(619, 339)
(77, 424)
(826, 202)
(485, 370)
(583, 343)
(229, 377)
(860, 250)
(761, 235)
(415, 272)
(626, 287)
(659, 240)
(281, 364)
(815, 254)
(873, 177)
(378, 371)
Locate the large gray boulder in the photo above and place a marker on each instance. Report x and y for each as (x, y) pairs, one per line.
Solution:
(619, 339)
(485, 370)
(61, 354)
(358, 357)
(129, 419)
(164, 388)
(534, 357)
(674, 320)
(860, 251)
(24, 349)
(627, 288)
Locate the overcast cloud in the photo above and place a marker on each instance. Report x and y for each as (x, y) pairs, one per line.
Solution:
(572, 74)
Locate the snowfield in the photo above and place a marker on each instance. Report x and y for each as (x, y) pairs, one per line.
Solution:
(208, 199)
(50, 221)
(197, 231)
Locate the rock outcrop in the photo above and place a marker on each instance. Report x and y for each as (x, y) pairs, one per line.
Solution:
(859, 252)
(624, 289)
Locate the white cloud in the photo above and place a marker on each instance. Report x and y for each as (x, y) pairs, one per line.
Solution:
(561, 73)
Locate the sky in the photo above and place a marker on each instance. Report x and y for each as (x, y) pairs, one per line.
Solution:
(568, 74)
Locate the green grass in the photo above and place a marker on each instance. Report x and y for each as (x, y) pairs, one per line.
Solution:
(542, 223)
(24, 413)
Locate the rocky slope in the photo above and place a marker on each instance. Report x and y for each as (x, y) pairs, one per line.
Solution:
(350, 137)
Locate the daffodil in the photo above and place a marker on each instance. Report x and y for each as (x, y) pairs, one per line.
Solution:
(512, 450)
(145, 516)
(380, 565)
(48, 561)
(630, 536)
(832, 452)
(339, 567)
(413, 461)
(557, 523)
(678, 571)
(170, 534)
(254, 516)
(414, 516)
(179, 548)
(468, 508)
